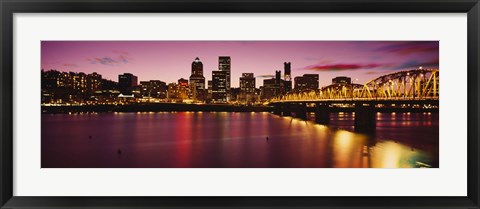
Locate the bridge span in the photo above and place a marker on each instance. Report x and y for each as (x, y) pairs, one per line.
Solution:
(406, 91)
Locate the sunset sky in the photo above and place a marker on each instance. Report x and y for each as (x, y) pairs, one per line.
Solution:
(170, 60)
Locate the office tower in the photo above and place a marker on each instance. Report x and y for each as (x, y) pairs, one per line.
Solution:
(172, 91)
(224, 64)
(278, 76)
(94, 82)
(183, 89)
(197, 81)
(247, 87)
(153, 88)
(126, 82)
(306, 82)
(270, 88)
(219, 86)
(209, 92)
(342, 80)
(287, 69)
(197, 67)
(273, 87)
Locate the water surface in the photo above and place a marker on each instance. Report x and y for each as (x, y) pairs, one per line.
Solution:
(236, 140)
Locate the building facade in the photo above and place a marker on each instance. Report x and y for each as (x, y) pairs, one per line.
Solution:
(172, 92)
(219, 86)
(224, 64)
(153, 89)
(342, 80)
(197, 81)
(126, 82)
(94, 83)
(306, 82)
(183, 89)
(247, 88)
(287, 69)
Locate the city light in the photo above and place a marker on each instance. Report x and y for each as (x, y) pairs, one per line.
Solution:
(195, 106)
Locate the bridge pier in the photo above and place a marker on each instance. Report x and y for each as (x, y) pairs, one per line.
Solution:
(286, 109)
(365, 117)
(322, 113)
(301, 111)
(277, 109)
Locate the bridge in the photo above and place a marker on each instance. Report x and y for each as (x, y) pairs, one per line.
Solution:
(408, 91)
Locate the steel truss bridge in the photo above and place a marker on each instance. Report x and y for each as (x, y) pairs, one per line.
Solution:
(417, 84)
(412, 90)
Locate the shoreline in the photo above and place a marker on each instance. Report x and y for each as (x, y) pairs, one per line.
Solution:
(156, 107)
(176, 107)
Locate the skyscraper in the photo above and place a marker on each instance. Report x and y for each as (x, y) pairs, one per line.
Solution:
(209, 91)
(126, 82)
(219, 86)
(153, 88)
(197, 80)
(197, 67)
(247, 88)
(183, 90)
(307, 81)
(342, 80)
(287, 67)
(94, 82)
(224, 65)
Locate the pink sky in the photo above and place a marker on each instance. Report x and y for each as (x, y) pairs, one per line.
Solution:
(170, 60)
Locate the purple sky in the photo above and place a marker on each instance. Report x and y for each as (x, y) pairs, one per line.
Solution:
(170, 60)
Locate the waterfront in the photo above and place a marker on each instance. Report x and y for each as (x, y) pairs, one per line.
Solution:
(236, 140)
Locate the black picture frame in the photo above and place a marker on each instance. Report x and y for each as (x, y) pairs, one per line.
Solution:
(9, 7)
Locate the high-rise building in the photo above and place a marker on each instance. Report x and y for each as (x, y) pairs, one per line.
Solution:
(197, 67)
(126, 82)
(153, 88)
(183, 89)
(277, 86)
(342, 80)
(94, 82)
(172, 91)
(234, 94)
(278, 76)
(183, 82)
(307, 81)
(197, 80)
(270, 88)
(219, 86)
(224, 64)
(61, 87)
(209, 92)
(247, 88)
(247, 83)
(80, 82)
(109, 91)
(287, 69)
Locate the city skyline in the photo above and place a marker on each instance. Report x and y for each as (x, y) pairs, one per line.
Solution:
(160, 60)
(260, 104)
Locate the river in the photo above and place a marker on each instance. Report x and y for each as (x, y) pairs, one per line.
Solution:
(236, 140)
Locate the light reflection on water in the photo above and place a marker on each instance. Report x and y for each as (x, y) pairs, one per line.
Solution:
(238, 140)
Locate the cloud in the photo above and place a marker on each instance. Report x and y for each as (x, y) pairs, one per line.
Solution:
(264, 76)
(405, 48)
(104, 61)
(416, 64)
(69, 65)
(119, 58)
(340, 67)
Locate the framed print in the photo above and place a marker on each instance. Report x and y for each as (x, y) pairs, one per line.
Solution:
(196, 104)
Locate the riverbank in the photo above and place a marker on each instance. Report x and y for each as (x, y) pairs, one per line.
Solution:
(156, 107)
(179, 107)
